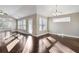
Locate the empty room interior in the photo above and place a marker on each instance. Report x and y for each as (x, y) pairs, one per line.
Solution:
(39, 28)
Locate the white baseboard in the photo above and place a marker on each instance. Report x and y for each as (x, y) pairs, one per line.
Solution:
(66, 35)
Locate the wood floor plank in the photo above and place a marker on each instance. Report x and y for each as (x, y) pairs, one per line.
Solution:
(51, 39)
(60, 48)
(12, 44)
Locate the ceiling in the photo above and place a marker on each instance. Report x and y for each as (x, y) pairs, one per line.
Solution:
(18, 11)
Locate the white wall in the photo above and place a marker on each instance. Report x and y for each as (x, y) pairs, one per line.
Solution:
(71, 28)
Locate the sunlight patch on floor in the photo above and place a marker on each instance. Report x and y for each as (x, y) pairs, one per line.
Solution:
(51, 39)
(42, 47)
(60, 48)
(29, 45)
(46, 43)
(12, 44)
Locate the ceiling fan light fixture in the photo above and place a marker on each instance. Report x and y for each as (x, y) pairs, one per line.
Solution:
(2, 13)
(57, 12)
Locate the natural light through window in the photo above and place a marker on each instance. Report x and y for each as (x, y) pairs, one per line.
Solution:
(42, 24)
(7, 24)
(22, 24)
(30, 25)
(64, 19)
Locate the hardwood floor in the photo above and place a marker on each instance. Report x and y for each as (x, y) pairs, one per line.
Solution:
(47, 43)
(70, 42)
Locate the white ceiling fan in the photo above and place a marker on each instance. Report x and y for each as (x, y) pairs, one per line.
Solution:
(2, 13)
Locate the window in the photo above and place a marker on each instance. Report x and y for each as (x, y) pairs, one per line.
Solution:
(42, 24)
(30, 25)
(22, 24)
(7, 24)
(64, 19)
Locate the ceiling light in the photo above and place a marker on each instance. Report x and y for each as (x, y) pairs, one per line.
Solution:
(57, 12)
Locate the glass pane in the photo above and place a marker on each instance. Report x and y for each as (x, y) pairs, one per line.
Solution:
(30, 25)
(22, 24)
(7, 24)
(42, 24)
